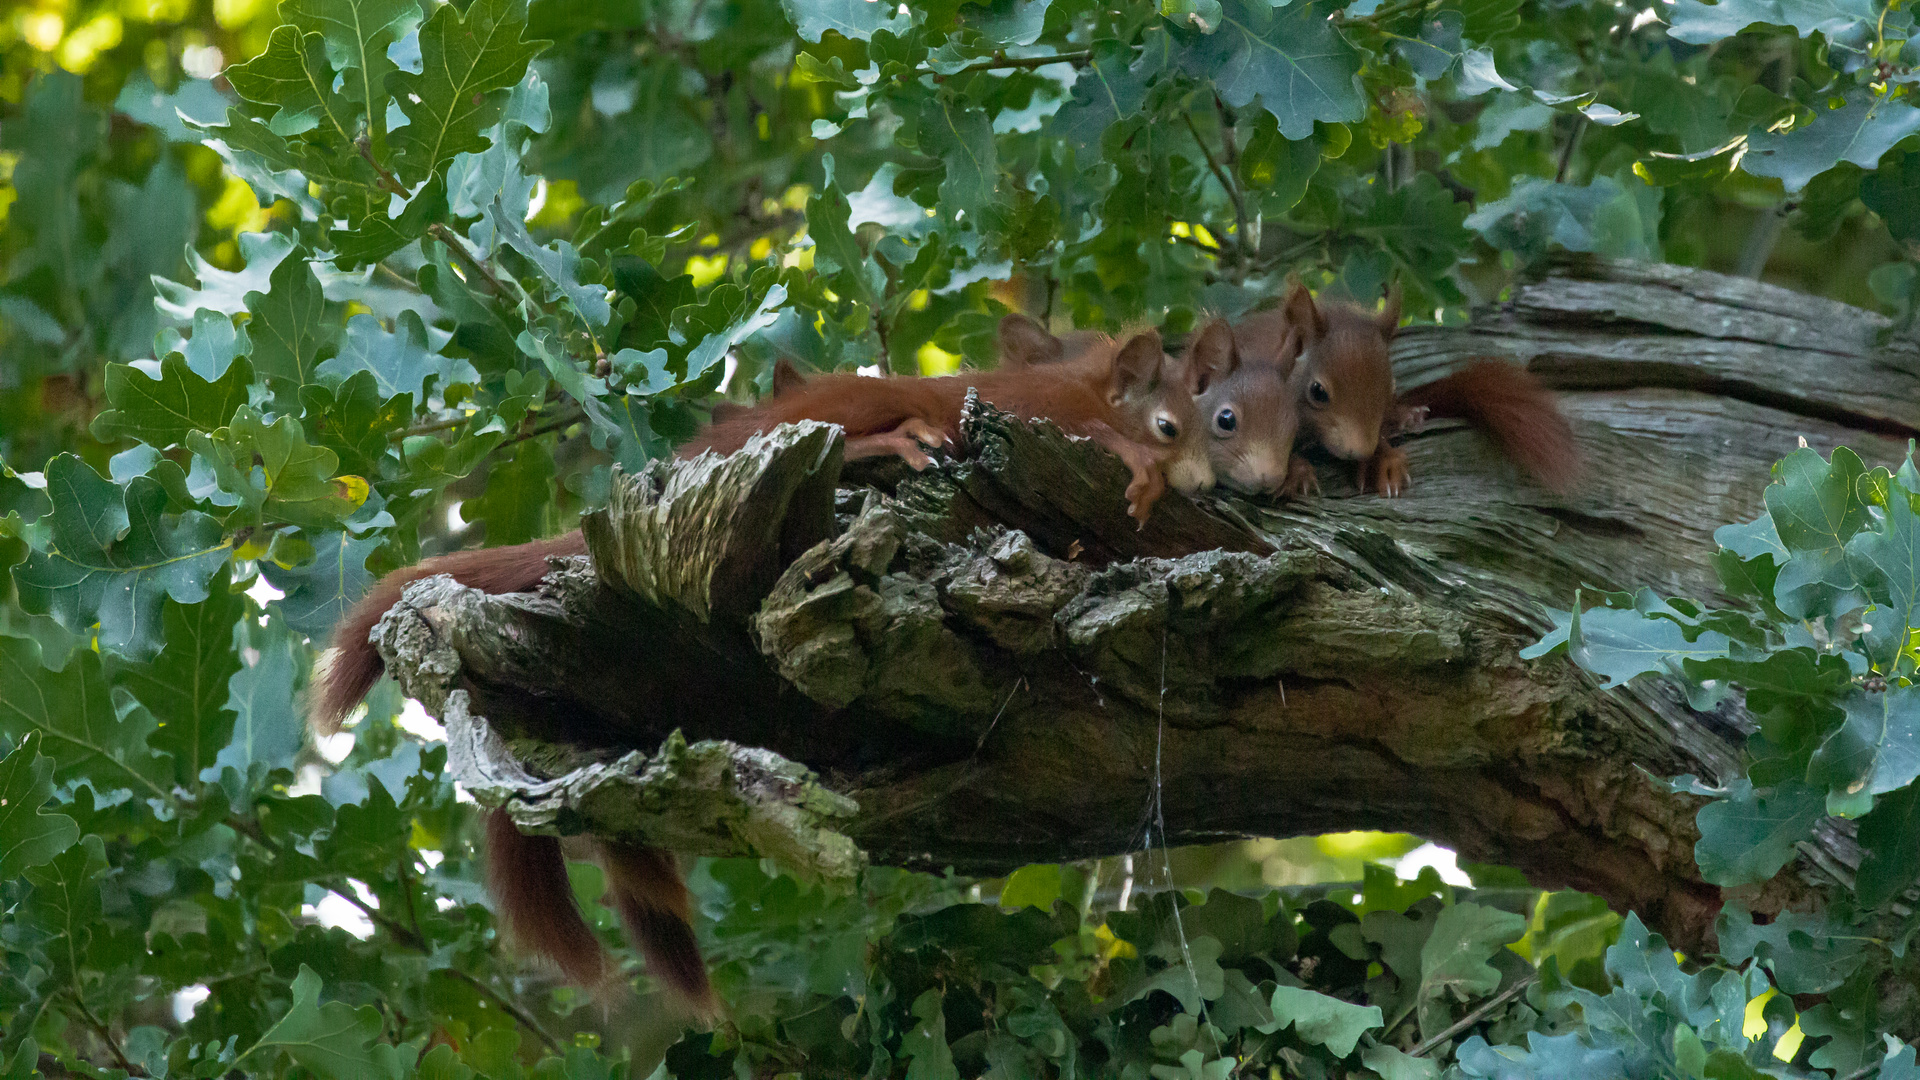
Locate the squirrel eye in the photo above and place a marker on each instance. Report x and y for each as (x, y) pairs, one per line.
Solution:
(1167, 427)
(1317, 393)
(1225, 420)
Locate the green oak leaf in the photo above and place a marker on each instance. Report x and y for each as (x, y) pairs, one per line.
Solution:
(72, 711)
(926, 1045)
(1890, 837)
(355, 420)
(1752, 539)
(1876, 749)
(518, 497)
(335, 1040)
(1321, 1019)
(379, 235)
(28, 835)
(358, 32)
(276, 474)
(400, 361)
(162, 411)
(854, 19)
(1805, 953)
(1293, 60)
(972, 192)
(1454, 959)
(65, 905)
(1620, 643)
(559, 264)
(293, 75)
(288, 326)
(228, 292)
(1749, 835)
(266, 161)
(215, 343)
(1110, 89)
(1887, 562)
(1698, 23)
(1860, 131)
(1603, 216)
(1816, 509)
(266, 726)
(318, 593)
(1893, 192)
(836, 252)
(114, 555)
(1432, 54)
(721, 337)
(185, 687)
(470, 62)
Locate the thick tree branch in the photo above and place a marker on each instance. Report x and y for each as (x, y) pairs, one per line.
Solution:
(972, 662)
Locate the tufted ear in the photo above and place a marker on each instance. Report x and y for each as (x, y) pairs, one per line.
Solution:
(1136, 364)
(1303, 315)
(1389, 319)
(1211, 356)
(1024, 343)
(786, 377)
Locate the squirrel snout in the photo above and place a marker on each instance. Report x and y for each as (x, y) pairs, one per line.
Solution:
(1191, 474)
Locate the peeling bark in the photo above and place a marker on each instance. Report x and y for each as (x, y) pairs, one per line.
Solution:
(986, 665)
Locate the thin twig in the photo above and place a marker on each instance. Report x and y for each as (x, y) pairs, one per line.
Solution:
(388, 182)
(1210, 249)
(415, 942)
(1566, 152)
(1226, 184)
(1476, 1015)
(1864, 1071)
(467, 258)
(1230, 158)
(106, 1036)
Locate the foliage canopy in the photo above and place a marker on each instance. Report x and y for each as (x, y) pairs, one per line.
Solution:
(408, 276)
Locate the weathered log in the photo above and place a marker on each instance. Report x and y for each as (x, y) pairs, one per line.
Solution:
(986, 665)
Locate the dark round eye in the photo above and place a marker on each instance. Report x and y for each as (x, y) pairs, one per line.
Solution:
(1167, 427)
(1317, 393)
(1224, 420)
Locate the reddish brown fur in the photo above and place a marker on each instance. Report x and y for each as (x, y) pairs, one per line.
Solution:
(647, 890)
(527, 876)
(1521, 417)
(353, 665)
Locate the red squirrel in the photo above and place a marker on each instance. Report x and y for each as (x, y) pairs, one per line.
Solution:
(1126, 395)
(1330, 364)
(1128, 400)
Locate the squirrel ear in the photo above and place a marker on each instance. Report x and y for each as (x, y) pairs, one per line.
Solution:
(1137, 362)
(1210, 357)
(1304, 315)
(786, 377)
(1389, 319)
(1024, 343)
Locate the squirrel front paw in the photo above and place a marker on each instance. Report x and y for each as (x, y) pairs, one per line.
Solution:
(1385, 472)
(1301, 480)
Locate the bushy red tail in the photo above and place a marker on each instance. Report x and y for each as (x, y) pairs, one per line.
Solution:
(527, 876)
(353, 665)
(646, 888)
(1521, 416)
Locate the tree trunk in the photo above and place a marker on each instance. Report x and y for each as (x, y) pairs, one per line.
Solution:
(986, 665)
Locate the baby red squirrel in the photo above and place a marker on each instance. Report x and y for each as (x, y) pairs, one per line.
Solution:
(1136, 400)
(1324, 371)
(1126, 395)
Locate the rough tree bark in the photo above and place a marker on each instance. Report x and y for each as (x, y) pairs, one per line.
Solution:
(985, 665)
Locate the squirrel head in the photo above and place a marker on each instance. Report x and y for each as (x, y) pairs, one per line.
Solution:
(1249, 415)
(1150, 394)
(1343, 382)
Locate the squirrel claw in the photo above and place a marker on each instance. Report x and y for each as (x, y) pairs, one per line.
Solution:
(1386, 472)
(1301, 480)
